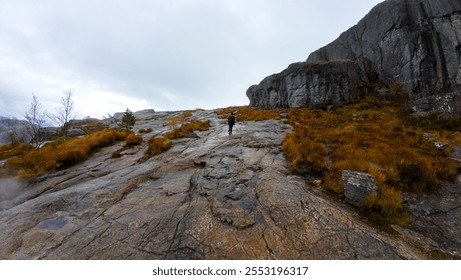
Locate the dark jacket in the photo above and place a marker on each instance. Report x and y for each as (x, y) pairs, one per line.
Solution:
(231, 120)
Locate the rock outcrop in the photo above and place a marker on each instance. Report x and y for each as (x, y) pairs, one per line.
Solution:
(314, 84)
(212, 197)
(414, 42)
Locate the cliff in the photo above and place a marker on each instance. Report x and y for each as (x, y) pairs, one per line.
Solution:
(414, 42)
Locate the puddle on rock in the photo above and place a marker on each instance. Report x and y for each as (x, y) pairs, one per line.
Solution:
(53, 224)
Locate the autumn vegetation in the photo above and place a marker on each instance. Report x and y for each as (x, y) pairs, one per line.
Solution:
(157, 145)
(58, 155)
(187, 128)
(244, 113)
(377, 136)
(374, 136)
(182, 126)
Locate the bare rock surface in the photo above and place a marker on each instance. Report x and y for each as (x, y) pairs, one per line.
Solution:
(212, 197)
(414, 42)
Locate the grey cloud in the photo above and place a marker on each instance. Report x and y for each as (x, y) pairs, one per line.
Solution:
(174, 54)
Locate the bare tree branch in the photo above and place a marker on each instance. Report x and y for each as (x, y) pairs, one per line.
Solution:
(65, 113)
(35, 117)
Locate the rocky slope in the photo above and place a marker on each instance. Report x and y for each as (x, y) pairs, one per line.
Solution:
(213, 196)
(415, 42)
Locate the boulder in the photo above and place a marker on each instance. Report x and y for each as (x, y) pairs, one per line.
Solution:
(49, 132)
(357, 186)
(75, 132)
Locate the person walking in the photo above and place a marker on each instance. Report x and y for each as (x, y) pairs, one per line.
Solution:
(231, 122)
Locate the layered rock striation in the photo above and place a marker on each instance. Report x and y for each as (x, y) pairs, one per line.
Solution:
(414, 42)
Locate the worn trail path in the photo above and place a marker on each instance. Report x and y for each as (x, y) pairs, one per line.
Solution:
(212, 197)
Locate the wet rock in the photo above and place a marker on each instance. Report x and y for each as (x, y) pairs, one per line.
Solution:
(357, 186)
(436, 220)
(241, 203)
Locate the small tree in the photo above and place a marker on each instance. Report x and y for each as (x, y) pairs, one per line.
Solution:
(128, 119)
(65, 113)
(35, 121)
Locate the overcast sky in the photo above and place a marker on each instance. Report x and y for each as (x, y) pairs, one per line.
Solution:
(162, 55)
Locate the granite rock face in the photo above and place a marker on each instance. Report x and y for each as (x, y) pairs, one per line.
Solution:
(415, 42)
(212, 197)
(314, 84)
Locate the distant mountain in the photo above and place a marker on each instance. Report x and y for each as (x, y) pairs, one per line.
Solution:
(414, 42)
(8, 126)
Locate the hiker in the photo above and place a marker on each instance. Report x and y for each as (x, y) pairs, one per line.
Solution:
(231, 122)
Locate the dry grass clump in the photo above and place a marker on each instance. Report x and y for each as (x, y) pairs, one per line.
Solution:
(157, 145)
(370, 136)
(385, 208)
(305, 155)
(8, 150)
(245, 113)
(133, 140)
(58, 155)
(187, 128)
(180, 118)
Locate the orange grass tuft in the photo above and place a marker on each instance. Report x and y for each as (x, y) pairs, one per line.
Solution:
(133, 140)
(157, 145)
(187, 128)
(180, 118)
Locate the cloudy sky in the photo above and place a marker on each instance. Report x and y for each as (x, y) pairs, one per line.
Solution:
(164, 55)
